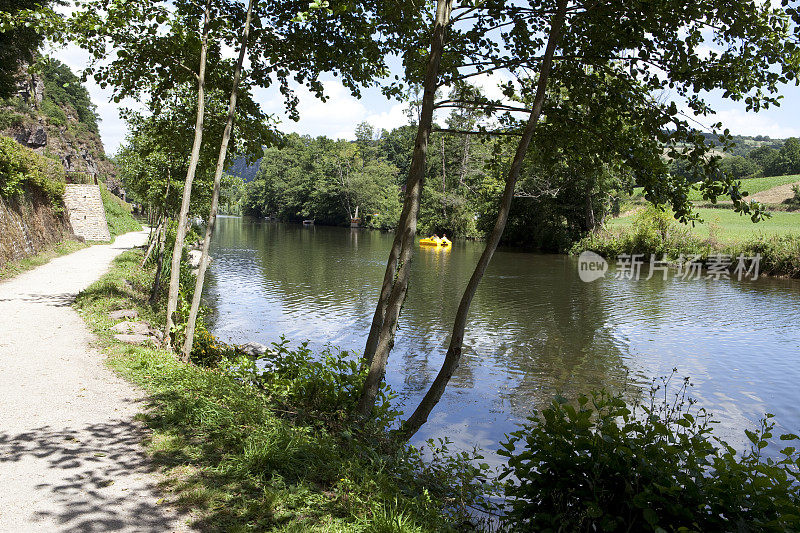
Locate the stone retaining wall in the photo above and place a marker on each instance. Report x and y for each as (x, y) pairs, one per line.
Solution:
(86, 213)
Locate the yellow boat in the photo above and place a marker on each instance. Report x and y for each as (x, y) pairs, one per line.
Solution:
(433, 241)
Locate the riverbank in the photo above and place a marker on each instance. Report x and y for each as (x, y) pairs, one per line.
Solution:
(70, 452)
(278, 453)
(650, 232)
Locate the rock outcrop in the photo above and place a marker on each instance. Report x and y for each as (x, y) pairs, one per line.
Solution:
(29, 224)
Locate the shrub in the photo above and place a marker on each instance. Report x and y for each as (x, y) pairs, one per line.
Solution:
(653, 232)
(601, 465)
(780, 254)
(21, 168)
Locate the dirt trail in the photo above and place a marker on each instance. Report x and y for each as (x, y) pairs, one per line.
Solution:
(70, 452)
(775, 195)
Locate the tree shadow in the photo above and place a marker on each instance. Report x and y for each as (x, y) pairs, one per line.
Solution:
(64, 299)
(98, 485)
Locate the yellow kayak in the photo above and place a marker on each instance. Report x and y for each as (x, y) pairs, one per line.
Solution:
(432, 241)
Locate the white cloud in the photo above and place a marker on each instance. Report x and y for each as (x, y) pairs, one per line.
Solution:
(391, 118)
(740, 122)
(337, 117)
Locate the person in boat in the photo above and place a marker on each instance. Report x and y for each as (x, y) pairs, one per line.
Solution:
(435, 237)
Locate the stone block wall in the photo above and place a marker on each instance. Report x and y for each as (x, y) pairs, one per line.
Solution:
(86, 213)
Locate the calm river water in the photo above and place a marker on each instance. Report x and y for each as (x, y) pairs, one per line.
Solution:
(535, 328)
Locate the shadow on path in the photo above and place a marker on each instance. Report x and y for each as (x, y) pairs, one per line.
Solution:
(90, 477)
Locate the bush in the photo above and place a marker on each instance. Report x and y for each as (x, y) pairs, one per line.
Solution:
(653, 232)
(780, 254)
(601, 465)
(21, 168)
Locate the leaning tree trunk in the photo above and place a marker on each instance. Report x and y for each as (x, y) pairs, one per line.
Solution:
(395, 281)
(453, 356)
(212, 215)
(161, 243)
(159, 263)
(180, 232)
(153, 239)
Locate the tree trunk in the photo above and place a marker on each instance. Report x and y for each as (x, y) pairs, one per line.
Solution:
(395, 280)
(212, 215)
(160, 263)
(180, 233)
(444, 185)
(153, 239)
(453, 356)
(161, 242)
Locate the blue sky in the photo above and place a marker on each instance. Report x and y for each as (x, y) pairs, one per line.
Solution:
(338, 117)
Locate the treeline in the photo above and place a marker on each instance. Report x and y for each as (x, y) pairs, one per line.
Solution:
(333, 181)
(755, 157)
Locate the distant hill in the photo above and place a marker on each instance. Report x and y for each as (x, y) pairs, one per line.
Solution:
(744, 144)
(241, 169)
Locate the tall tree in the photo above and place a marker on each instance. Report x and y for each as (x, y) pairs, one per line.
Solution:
(212, 215)
(597, 44)
(453, 356)
(398, 266)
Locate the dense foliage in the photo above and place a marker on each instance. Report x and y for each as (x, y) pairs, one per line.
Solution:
(18, 43)
(22, 169)
(63, 91)
(326, 180)
(749, 158)
(603, 465)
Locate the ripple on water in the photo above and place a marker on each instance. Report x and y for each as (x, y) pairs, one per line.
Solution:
(534, 328)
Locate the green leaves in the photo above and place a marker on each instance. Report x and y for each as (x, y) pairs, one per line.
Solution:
(595, 464)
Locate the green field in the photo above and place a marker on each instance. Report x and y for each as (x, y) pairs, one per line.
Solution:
(751, 185)
(731, 227)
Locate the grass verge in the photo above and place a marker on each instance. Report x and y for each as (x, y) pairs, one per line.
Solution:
(653, 232)
(241, 458)
(728, 226)
(118, 214)
(14, 268)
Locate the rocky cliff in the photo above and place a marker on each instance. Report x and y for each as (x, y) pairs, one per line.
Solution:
(28, 224)
(58, 123)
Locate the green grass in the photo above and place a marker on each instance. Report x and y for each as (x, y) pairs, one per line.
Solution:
(118, 214)
(13, 268)
(751, 185)
(238, 463)
(727, 226)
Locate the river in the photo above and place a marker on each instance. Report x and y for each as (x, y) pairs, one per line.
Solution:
(535, 328)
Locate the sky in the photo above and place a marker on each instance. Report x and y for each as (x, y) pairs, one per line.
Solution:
(341, 113)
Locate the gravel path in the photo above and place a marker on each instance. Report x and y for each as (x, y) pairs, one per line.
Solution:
(70, 452)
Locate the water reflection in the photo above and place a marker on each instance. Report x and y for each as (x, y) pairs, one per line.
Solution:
(535, 329)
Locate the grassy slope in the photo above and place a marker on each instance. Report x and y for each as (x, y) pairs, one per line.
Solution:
(231, 459)
(751, 185)
(118, 214)
(12, 268)
(728, 226)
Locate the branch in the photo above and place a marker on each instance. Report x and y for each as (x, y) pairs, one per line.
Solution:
(472, 132)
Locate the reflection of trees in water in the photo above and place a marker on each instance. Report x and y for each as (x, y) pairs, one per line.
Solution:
(532, 319)
(550, 335)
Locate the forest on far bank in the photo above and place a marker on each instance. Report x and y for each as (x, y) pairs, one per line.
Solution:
(326, 180)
